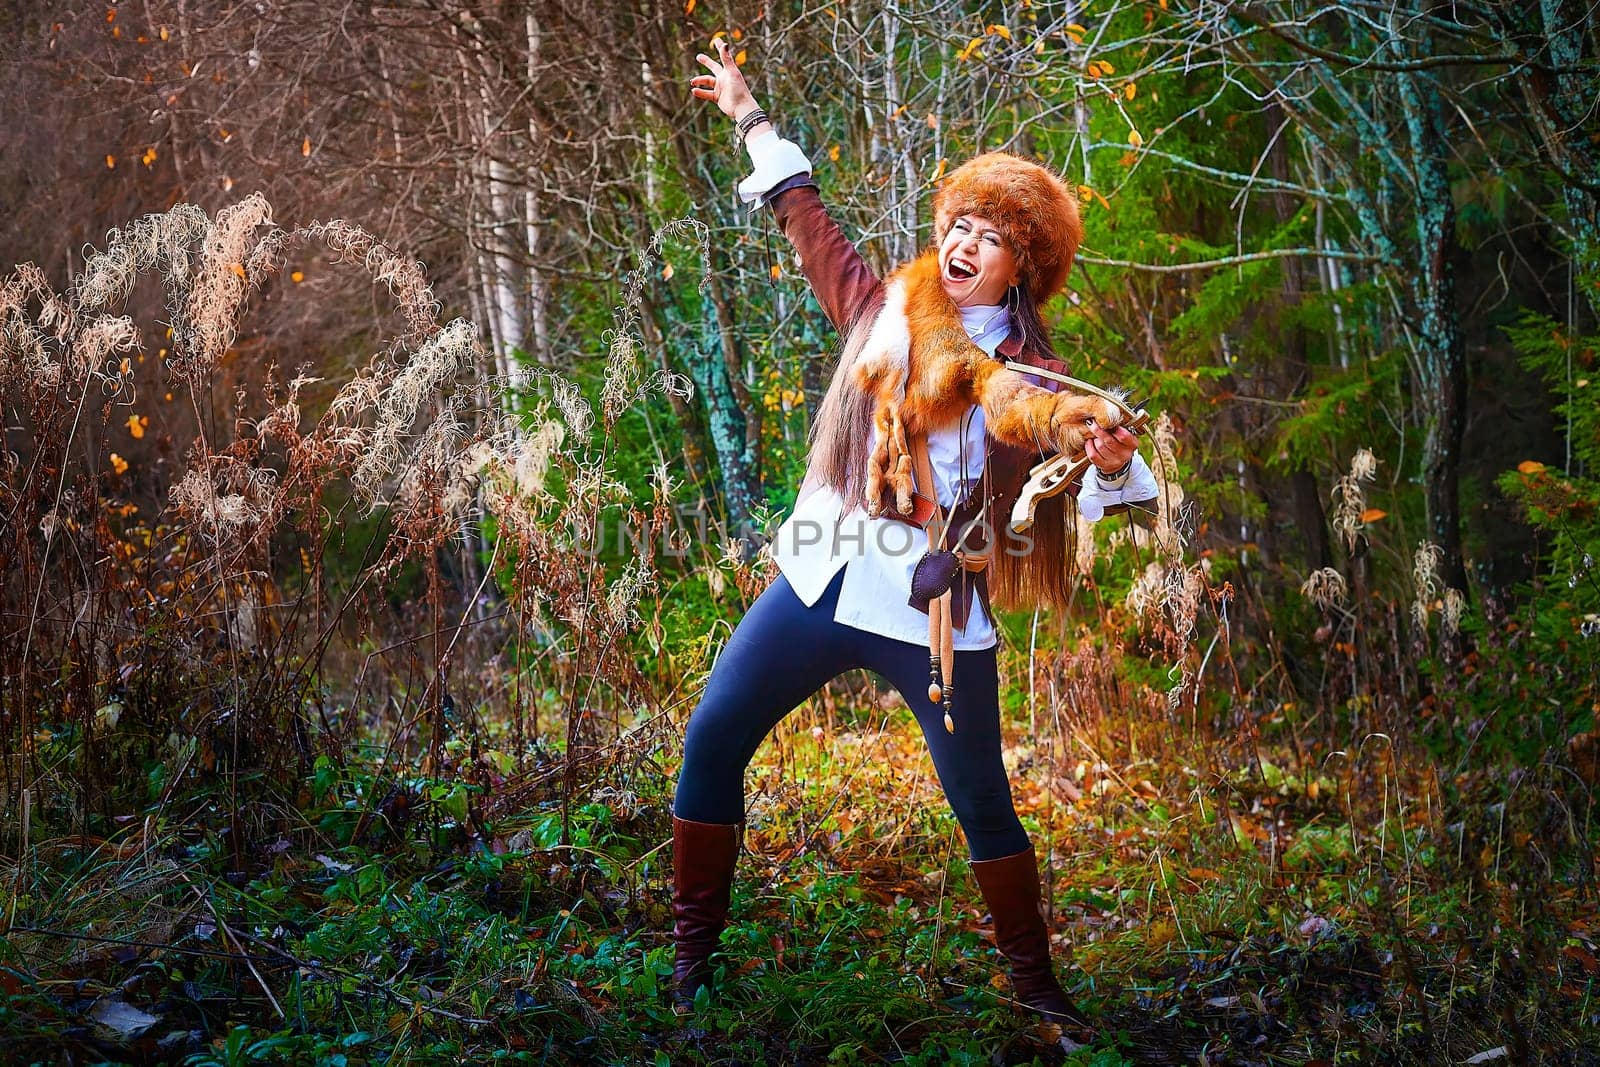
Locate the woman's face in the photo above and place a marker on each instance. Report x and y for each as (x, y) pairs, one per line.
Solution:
(975, 263)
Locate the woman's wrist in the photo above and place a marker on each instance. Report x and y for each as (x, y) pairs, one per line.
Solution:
(1116, 475)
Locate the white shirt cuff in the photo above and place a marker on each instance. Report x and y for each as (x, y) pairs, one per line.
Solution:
(1099, 492)
(773, 158)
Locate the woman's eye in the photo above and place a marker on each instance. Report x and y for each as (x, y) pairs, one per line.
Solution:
(992, 239)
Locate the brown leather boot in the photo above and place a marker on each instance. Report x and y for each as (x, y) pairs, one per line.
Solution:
(703, 855)
(1010, 887)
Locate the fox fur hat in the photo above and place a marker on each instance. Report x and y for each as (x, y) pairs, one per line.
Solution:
(1035, 210)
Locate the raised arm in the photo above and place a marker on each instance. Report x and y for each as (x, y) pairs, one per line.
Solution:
(844, 284)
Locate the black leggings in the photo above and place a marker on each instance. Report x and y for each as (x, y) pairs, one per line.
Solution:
(782, 652)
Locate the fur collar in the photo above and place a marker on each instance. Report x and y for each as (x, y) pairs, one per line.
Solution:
(917, 349)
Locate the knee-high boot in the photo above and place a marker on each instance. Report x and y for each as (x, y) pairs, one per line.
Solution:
(1011, 889)
(703, 856)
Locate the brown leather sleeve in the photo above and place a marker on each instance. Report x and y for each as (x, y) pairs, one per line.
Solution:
(843, 282)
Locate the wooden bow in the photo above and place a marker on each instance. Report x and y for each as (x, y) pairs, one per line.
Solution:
(1053, 476)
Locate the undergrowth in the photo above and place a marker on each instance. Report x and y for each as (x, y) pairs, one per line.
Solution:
(340, 746)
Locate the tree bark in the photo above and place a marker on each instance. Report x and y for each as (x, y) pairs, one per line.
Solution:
(1441, 390)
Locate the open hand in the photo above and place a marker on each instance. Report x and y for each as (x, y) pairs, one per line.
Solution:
(725, 85)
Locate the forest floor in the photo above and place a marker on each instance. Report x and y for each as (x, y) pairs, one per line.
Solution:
(1354, 906)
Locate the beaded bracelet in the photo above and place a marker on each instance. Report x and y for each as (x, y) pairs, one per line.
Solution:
(1121, 472)
(751, 121)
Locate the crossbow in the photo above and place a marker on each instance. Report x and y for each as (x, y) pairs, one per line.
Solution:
(1052, 476)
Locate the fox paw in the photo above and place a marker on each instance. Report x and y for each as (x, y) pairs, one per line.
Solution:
(1075, 415)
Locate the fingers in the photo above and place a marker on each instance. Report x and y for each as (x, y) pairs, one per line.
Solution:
(707, 62)
(725, 54)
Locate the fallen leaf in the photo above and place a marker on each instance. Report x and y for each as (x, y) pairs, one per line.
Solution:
(121, 1020)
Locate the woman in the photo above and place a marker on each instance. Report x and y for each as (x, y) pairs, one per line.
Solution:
(920, 406)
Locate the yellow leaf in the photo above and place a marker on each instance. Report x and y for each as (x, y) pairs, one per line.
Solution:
(1373, 515)
(688, 8)
(1582, 383)
(297, 276)
(833, 153)
(111, 162)
(1163, 4)
(1085, 192)
(938, 171)
(168, 398)
(237, 268)
(1130, 90)
(666, 272)
(738, 60)
(999, 31)
(149, 156)
(1093, 69)
(164, 33)
(933, 121)
(1073, 27)
(1075, 36)
(137, 425)
(124, 367)
(1530, 466)
(738, 34)
(305, 147)
(1135, 138)
(119, 464)
(1107, 68)
(777, 272)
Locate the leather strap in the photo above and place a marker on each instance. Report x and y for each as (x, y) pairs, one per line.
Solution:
(922, 470)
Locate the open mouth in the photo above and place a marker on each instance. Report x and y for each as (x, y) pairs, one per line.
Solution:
(960, 269)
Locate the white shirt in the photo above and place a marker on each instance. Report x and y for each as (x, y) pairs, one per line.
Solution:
(879, 555)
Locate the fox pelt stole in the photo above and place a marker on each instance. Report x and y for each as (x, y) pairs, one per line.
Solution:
(923, 372)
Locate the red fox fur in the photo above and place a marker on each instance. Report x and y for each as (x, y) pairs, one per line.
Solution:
(923, 372)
